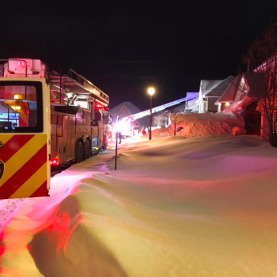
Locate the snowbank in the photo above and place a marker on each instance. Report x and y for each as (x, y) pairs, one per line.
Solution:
(208, 124)
(202, 206)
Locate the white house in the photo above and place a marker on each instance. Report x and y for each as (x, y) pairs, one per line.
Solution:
(209, 92)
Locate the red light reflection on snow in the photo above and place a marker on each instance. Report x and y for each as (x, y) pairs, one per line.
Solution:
(61, 229)
(2, 248)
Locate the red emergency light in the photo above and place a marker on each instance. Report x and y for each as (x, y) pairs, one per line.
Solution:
(54, 161)
(23, 64)
(99, 106)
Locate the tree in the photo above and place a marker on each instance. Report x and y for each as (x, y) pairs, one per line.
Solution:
(261, 58)
(176, 119)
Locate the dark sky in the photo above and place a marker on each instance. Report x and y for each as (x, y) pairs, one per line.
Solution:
(125, 46)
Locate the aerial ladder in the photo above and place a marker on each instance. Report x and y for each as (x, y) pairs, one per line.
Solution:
(161, 107)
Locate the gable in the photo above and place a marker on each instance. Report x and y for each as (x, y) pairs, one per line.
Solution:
(123, 111)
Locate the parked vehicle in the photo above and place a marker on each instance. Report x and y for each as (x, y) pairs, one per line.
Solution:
(46, 118)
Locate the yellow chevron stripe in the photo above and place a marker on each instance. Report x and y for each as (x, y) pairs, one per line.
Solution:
(4, 138)
(32, 184)
(23, 155)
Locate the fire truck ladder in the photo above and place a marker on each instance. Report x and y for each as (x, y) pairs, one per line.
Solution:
(65, 89)
(57, 92)
(89, 89)
(161, 108)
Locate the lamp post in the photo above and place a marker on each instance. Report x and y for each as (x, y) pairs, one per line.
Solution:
(150, 91)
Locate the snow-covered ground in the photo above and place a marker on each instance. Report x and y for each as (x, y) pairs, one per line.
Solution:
(176, 206)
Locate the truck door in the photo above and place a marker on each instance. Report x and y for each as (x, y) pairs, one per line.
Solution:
(24, 138)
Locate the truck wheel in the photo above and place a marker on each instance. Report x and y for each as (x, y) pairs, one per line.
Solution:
(87, 149)
(79, 153)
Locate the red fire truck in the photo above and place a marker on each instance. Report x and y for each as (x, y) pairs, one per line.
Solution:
(46, 118)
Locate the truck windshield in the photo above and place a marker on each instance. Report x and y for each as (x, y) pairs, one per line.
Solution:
(21, 107)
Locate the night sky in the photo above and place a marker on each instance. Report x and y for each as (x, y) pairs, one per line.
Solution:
(125, 46)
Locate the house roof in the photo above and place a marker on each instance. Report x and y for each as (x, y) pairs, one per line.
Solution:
(231, 91)
(124, 109)
(267, 63)
(255, 83)
(255, 86)
(219, 88)
(206, 86)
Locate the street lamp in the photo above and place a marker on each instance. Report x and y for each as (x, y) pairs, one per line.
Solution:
(150, 91)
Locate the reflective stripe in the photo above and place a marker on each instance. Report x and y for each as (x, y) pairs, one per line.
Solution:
(5, 138)
(22, 156)
(12, 145)
(37, 180)
(26, 165)
(25, 173)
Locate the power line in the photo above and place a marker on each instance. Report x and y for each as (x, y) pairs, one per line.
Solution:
(143, 77)
(163, 88)
(146, 61)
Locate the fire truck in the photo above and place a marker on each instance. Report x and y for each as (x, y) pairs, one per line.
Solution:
(46, 119)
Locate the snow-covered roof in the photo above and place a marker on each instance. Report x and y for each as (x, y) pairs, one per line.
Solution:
(219, 88)
(213, 88)
(124, 109)
(255, 83)
(231, 91)
(241, 98)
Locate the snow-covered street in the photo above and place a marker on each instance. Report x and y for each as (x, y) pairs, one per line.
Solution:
(174, 207)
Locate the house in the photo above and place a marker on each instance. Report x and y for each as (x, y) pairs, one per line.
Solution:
(126, 109)
(210, 91)
(269, 94)
(160, 114)
(184, 105)
(161, 119)
(242, 97)
(191, 105)
(229, 96)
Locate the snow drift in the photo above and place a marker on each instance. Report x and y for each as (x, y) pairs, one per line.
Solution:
(176, 206)
(208, 124)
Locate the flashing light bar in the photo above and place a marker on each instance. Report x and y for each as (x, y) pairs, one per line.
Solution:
(17, 97)
(23, 63)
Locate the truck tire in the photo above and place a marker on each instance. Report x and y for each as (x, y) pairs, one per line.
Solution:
(79, 152)
(87, 149)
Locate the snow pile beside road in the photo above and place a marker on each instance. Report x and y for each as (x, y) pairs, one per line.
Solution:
(7, 207)
(208, 124)
(155, 133)
(174, 207)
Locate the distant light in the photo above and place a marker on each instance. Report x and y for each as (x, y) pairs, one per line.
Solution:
(227, 104)
(17, 97)
(151, 90)
(16, 107)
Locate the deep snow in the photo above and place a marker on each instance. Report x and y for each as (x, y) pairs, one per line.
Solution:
(176, 206)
